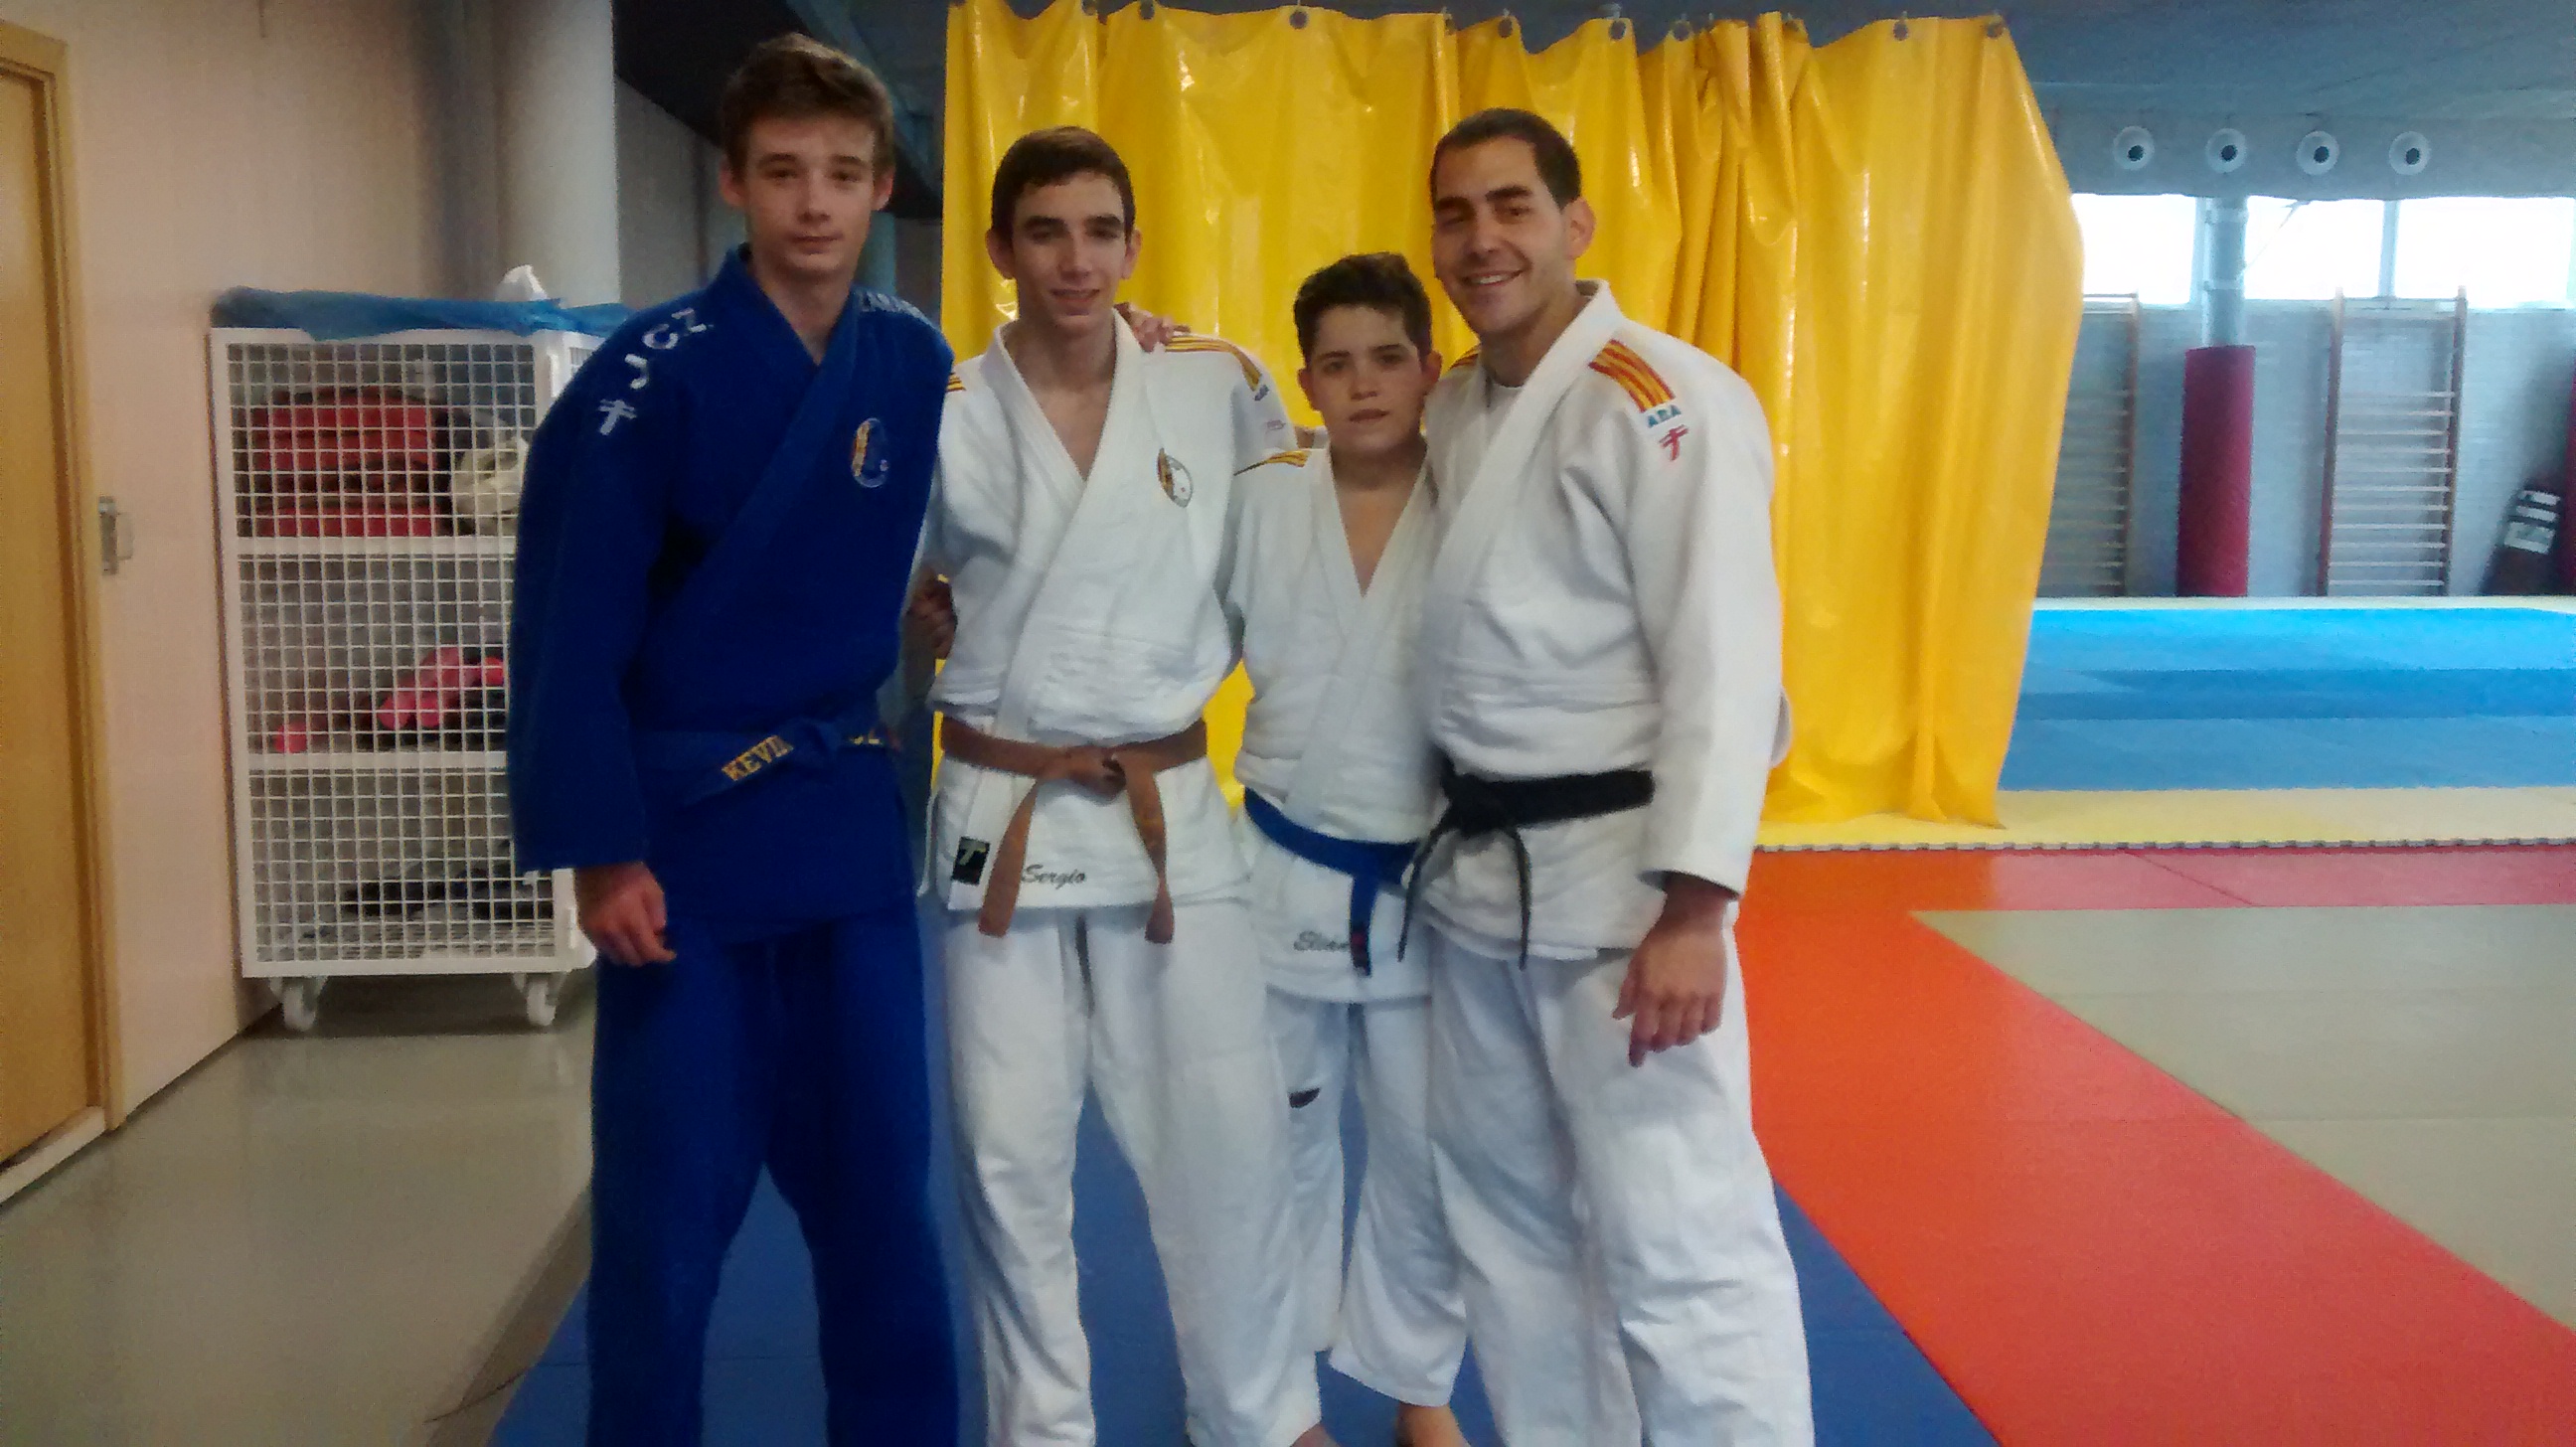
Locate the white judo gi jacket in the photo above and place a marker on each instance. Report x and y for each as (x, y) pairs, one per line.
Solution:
(1087, 610)
(1335, 735)
(1603, 598)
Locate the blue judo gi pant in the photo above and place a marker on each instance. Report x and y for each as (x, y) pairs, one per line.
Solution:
(804, 1052)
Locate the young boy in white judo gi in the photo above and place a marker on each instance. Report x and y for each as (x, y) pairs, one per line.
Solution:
(1600, 666)
(1097, 935)
(1330, 548)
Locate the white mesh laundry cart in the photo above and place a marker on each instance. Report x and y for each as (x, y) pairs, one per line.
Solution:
(368, 492)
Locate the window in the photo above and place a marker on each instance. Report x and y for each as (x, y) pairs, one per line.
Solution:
(2508, 251)
(2140, 244)
(2308, 250)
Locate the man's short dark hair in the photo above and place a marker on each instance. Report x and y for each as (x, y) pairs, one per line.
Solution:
(1557, 167)
(1378, 280)
(1058, 153)
(795, 77)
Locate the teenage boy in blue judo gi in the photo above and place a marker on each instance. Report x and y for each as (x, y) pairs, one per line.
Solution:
(718, 529)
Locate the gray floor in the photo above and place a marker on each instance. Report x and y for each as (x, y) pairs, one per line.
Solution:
(308, 1239)
(2425, 1057)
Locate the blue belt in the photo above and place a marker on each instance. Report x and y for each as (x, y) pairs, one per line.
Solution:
(708, 763)
(1372, 866)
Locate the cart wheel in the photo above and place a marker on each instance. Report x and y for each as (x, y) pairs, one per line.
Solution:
(542, 992)
(302, 997)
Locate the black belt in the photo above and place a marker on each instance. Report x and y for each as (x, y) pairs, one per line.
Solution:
(1477, 807)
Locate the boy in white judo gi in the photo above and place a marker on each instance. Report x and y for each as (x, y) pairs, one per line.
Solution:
(1097, 935)
(1600, 666)
(1330, 548)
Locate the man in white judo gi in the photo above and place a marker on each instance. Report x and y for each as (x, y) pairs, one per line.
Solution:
(1600, 664)
(1330, 551)
(1097, 932)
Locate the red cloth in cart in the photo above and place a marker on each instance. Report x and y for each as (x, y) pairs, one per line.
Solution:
(376, 433)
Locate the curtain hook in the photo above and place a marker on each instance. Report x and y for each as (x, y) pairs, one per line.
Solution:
(1995, 27)
(1509, 26)
(1297, 18)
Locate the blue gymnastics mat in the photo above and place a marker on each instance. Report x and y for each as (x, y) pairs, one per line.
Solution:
(2296, 698)
(764, 1385)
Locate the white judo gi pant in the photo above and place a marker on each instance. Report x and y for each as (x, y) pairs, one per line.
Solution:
(1396, 1322)
(1175, 1040)
(1569, 1176)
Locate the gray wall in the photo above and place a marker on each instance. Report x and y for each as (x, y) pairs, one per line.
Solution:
(2513, 422)
(663, 191)
(2513, 428)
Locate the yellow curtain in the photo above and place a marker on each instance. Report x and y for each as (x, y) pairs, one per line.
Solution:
(1875, 233)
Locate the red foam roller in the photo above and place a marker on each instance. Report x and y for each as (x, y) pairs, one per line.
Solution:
(2212, 552)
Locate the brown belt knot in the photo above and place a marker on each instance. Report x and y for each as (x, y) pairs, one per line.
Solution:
(1105, 770)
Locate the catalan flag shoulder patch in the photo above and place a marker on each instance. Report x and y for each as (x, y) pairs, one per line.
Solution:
(1188, 342)
(1644, 385)
(1466, 359)
(956, 381)
(1294, 457)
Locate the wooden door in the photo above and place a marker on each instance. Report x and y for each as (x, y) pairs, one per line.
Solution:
(47, 1075)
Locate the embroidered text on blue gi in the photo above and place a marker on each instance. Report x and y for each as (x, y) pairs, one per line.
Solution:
(758, 757)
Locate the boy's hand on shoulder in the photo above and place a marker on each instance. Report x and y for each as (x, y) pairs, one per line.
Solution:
(620, 907)
(1151, 330)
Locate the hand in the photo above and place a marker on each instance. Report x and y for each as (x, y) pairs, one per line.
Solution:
(620, 908)
(1151, 330)
(1675, 991)
(931, 617)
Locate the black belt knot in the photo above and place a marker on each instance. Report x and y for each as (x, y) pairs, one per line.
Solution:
(1475, 807)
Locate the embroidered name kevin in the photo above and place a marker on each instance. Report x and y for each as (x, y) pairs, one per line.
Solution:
(756, 758)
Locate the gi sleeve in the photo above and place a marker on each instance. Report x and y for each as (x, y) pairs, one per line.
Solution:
(599, 485)
(1696, 528)
(1232, 559)
(1261, 425)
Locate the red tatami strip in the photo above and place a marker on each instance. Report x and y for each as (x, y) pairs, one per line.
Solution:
(2287, 878)
(2089, 1251)
(1902, 880)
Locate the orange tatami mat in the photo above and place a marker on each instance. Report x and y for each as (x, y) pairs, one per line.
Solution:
(2089, 1251)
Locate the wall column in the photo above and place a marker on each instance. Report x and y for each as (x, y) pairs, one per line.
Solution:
(556, 65)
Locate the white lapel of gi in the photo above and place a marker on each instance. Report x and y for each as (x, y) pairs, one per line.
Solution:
(1509, 463)
(1369, 624)
(1122, 483)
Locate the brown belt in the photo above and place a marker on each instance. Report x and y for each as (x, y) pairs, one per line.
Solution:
(1104, 769)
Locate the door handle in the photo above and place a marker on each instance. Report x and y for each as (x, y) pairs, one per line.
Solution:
(115, 537)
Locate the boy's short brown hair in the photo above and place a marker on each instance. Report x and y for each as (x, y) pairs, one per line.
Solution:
(1382, 281)
(1058, 153)
(793, 77)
